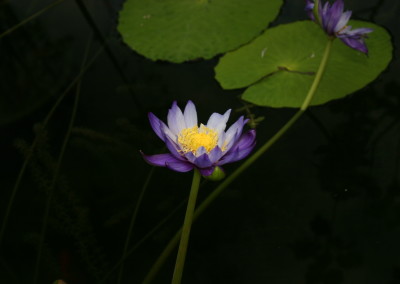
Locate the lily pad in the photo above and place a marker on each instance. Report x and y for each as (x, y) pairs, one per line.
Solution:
(181, 30)
(279, 66)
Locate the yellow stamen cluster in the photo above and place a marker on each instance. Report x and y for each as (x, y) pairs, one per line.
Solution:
(191, 139)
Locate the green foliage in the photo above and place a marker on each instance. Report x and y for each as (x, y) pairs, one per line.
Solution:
(181, 30)
(31, 69)
(278, 67)
(68, 216)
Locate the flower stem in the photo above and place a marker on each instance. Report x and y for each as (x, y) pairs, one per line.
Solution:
(30, 18)
(200, 209)
(142, 240)
(56, 174)
(316, 13)
(187, 224)
(34, 143)
(318, 76)
(132, 223)
(274, 138)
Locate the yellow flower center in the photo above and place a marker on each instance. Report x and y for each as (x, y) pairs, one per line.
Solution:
(191, 139)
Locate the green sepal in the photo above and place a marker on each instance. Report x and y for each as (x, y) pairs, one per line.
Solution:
(217, 175)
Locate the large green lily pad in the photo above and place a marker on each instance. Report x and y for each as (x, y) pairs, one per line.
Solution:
(181, 30)
(279, 66)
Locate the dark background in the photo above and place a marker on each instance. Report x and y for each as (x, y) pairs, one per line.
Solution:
(321, 206)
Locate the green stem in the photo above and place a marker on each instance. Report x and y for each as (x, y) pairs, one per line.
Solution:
(274, 138)
(318, 76)
(187, 224)
(316, 14)
(30, 18)
(163, 257)
(133, 219)
(33, 146)
(200, 209)
(57, 171)
(142, 240)
(52, 185)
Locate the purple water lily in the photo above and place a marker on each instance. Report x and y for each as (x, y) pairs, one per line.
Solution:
(309, 9)
(204, 147)
(334, 21)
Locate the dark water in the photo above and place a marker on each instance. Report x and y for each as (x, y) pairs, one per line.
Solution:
(322, 206)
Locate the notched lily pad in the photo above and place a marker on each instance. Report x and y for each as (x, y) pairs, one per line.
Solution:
(279, 66)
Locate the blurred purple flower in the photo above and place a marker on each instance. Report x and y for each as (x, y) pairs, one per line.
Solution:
(309, 9)
(204, 147)
(334, 21)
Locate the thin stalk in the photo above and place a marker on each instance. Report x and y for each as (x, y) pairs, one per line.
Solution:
(200, 209)
(57, 171)
(142, 240)
(31, 5)
(30, 18)
(316, 13)
(163, 256)
(187, 224)
(318, 76)
(91, 22)
(33, 146)
(133, 219)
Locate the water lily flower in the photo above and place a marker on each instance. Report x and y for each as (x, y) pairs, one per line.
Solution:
(309, 9)
(204, 147)
(334, 21)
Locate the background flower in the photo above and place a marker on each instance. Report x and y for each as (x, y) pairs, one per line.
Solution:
(203, 147)
(334, 21)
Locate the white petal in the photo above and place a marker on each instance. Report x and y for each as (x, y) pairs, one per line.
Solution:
(218, 121)
(176, 121)
(169, 133)
(190, 115)
(234, 138)
(238, 125)
(342, 21)
(221, 139)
